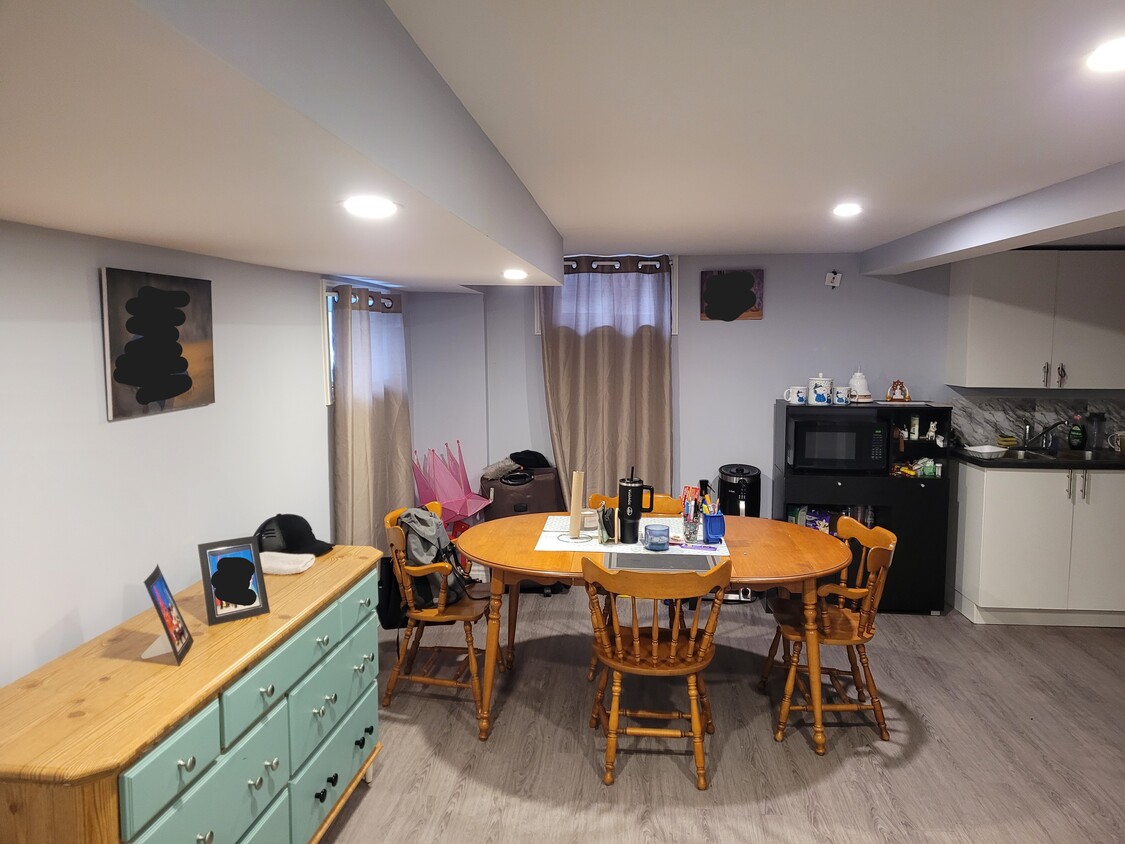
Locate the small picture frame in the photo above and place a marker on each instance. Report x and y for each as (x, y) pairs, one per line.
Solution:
(179, 637)
(233, 585)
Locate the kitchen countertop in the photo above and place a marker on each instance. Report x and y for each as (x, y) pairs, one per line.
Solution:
(1064, 460)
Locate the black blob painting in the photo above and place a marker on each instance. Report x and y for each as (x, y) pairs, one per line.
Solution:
(158, 347)
(728, 295)
(232, 580)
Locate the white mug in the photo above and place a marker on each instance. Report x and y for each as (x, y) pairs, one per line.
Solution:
(840, 396)
(794, 395)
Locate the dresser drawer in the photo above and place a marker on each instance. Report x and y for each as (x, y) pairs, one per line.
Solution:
(315, 791)
(231, 796)
(317, 704)
(252, 695)
(362, 647)
(273, 826)
(358, 603)
(168, 769)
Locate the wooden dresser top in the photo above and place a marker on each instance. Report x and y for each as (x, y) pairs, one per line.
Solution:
(99, 707)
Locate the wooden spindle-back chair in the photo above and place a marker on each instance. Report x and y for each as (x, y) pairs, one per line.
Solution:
(467, 611)
(845, 617)
(630, 639)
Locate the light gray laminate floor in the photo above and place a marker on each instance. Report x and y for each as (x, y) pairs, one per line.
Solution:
(997, 734)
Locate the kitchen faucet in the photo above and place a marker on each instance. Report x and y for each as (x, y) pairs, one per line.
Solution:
(1042, 434)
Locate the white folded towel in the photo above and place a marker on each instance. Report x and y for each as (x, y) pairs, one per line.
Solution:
(275, 562)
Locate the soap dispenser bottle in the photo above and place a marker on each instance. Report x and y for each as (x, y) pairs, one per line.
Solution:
(1076, 437)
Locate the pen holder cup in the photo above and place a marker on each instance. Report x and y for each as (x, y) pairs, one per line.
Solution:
(714, 527)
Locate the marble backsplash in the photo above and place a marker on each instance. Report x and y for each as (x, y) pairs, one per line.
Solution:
(980, 419)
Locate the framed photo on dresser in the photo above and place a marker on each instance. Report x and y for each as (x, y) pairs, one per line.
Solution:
(179, 637)
(233, 584)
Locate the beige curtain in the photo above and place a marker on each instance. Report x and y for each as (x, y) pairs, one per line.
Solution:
(371, 466)
(608, 371)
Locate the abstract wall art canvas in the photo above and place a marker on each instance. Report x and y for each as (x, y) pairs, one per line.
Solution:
(159, 354)
(728, 295)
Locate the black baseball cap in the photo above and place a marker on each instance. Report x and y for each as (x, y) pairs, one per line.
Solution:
(289, 534)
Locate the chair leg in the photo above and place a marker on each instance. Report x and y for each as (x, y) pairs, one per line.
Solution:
(594, 658)
(404, 645)
(876, 705)
(473, 673)
(768, 667)
(408, 666)
(787, 696)
(611, 733)
(708, 721)
(696, 733)
(856, 679)
(598, 713)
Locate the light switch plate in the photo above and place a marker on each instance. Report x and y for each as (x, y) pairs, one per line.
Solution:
(833, 279)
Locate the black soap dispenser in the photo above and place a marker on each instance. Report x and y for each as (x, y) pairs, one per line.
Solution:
(1076, 437)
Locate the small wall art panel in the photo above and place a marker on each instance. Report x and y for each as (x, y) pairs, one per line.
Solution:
(159, 354)
(729, 295)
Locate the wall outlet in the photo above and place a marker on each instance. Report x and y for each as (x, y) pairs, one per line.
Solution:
(833, 279)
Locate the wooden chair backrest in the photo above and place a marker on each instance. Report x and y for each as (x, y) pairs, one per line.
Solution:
(635, 600)
(662, 504)
(404, 572)
(862, 595)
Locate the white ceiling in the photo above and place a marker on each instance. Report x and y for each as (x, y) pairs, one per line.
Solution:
(648, 126)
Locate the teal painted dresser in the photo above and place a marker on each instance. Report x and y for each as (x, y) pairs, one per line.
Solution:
(259, 736)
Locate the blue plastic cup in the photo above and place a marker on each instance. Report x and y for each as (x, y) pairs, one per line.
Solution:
(714, 527)
(656, 537)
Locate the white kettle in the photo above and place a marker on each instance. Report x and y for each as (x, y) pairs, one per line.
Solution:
(858, 390)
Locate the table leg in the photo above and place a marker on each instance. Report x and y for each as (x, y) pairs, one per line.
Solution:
(491, 653)
(513, 613)
(812, 657)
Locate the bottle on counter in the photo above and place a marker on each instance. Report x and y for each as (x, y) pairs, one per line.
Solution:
(1076, 437)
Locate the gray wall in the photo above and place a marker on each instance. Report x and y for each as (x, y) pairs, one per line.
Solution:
(89, 507)
(726, 375)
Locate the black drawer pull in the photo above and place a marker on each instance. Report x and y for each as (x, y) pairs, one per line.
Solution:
(321, 795)
(369, 730)
(362, 741)
(332, 780)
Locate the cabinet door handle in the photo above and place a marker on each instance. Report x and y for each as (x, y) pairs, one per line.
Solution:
(321, 795)
(187, 764)
(1085, 479)
(1070, 484)
(267, 690)
(256, 784)
(206, 839)
(273, 764)
(1047, 374)
(332, 780)
(324, 640)
(1062, 374)
(362, 741)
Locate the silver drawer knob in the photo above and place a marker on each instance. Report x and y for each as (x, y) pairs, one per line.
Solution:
(365, 602)
(331, 698)
(206, 839)
(187, 764)
(361, 667)
(369, 657)
(273, 764)
(256, 784)
(267, 690)
(324, 640)
(319, 712)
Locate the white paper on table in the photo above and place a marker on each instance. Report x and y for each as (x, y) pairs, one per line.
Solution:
(553, 538)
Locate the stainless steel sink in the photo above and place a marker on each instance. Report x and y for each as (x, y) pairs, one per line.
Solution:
(1027, 454)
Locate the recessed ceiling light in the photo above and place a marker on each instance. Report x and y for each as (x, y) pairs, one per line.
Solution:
(515, 275)
(846, 209)
(370, 207)
(1108, 58)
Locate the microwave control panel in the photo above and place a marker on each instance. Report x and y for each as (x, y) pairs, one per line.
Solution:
(879, 445)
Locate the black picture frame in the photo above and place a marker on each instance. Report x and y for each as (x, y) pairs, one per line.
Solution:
(171, 619)
(232, 589)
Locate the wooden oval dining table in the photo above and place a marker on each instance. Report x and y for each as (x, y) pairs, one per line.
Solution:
(764, 554)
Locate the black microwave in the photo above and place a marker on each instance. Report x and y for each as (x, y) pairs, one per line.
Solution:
(837, 441)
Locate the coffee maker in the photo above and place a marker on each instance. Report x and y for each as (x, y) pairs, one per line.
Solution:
(630, 504)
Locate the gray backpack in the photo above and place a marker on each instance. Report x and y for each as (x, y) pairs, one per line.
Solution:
(427, 542)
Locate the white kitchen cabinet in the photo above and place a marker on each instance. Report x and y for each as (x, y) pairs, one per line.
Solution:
(1037, 318)
(1039, 540)
(1097, 557)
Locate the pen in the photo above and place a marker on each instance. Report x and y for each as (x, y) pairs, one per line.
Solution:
(700, 547)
